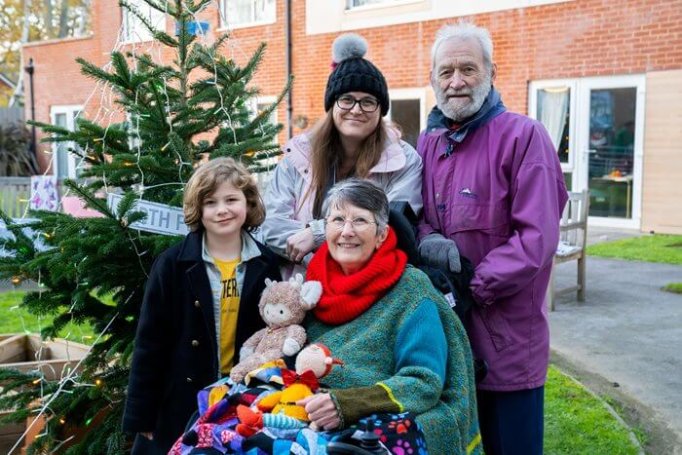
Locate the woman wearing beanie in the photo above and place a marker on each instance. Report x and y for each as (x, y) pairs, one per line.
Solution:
(352, 140)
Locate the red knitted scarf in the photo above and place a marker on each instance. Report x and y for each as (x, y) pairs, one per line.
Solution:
(345, 297)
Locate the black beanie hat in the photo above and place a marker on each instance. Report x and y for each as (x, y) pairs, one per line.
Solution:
(353, 73)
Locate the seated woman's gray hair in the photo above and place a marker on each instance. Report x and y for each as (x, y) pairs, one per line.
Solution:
(361, 193)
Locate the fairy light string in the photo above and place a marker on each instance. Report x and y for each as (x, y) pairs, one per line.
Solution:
(107, 111)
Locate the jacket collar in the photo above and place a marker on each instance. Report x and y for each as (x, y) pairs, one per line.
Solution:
(194, 248)
(392, 157)
(491, 108)
(249, 249)
(190, 251)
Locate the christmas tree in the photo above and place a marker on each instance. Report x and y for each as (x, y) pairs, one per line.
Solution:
(93, 270)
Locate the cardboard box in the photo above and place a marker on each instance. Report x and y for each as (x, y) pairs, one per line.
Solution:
(54, 358)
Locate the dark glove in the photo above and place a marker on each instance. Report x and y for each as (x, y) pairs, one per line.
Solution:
(437, 251)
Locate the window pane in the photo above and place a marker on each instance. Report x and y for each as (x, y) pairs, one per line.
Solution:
(239, 12)
(554, 113)
(611, 151)
(62, 150)
(265, 10)
(568, 178)
(273, 115)
(405, 114)
(356, 3)
(134, 29)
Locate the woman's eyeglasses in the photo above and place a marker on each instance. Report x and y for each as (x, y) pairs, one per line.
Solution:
(367, 104)
(358, 224)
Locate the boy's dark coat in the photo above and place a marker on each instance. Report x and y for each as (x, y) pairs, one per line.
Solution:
(175, 347)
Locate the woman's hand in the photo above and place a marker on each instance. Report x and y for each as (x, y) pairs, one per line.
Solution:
(321, 411)
(300, 244)
(149, 435)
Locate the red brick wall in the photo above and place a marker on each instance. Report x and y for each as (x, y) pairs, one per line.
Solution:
(57, 77)
(58, 80)
(573, 39)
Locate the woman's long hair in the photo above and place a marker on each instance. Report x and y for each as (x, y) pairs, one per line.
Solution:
(326, 151)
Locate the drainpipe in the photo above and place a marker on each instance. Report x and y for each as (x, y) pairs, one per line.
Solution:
(288, 50)
(30, 69)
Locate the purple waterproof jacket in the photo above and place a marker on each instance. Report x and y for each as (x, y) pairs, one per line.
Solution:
(498, 191)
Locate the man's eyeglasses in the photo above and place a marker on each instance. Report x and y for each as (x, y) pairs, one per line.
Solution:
(367, 104)
(358, 224)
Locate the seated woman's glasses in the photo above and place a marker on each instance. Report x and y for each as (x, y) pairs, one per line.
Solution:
(367, 104)
(358, 224)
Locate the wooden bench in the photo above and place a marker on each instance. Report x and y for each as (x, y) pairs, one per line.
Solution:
(572, 240)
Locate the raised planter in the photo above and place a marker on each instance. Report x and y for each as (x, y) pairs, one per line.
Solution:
(29, 353)
(55, 359)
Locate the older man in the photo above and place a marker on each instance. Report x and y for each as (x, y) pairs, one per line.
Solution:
(493, 188)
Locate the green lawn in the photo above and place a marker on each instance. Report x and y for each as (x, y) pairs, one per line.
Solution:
(17, 320)
(648, 248)
(578, 423)
(575, 421)
(675, 288)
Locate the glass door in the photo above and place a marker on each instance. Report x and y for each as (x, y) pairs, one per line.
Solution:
(611, 137)
(596, 125)
(611, 151)
(64, 161)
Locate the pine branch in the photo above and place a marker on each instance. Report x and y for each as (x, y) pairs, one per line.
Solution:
(94, 270)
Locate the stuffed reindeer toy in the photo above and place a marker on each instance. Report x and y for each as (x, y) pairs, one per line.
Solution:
(282, 306)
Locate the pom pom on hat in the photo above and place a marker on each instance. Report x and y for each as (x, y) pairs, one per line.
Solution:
(349, 45)
(353, 73)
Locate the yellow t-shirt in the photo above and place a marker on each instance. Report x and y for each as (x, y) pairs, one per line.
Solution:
(229, 309)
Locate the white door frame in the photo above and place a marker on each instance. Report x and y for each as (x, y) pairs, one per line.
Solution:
(579, 130)
(410, 94)
(595, 83)
(68, 111)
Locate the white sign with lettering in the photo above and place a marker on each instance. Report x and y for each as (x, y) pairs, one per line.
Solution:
(161, 219)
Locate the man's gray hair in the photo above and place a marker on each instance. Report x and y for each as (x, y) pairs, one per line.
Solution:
(465, 31)
(361, 193)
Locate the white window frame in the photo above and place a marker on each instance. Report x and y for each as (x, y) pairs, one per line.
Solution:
(71, 112)
(134, 141)
(227, 22)
(535, 86)
(638, 81)
(257, 101)
(334, 16)
(410, 94)
(263, 178)
(380, 4)
(134, 31)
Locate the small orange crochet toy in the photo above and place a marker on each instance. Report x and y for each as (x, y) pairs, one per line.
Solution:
(313, 362)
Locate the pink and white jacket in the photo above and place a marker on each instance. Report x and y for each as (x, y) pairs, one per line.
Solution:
(289, 210)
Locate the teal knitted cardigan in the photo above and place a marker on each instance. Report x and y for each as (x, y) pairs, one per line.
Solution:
(407, 352)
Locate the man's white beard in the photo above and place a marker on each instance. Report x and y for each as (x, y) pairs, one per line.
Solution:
(459, 113)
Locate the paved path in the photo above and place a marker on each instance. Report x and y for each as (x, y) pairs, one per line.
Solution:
(629, 332)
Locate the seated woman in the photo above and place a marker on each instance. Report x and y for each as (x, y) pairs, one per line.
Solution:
(403, 347)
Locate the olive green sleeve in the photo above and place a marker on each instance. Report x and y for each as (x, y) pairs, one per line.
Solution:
(356, 403)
